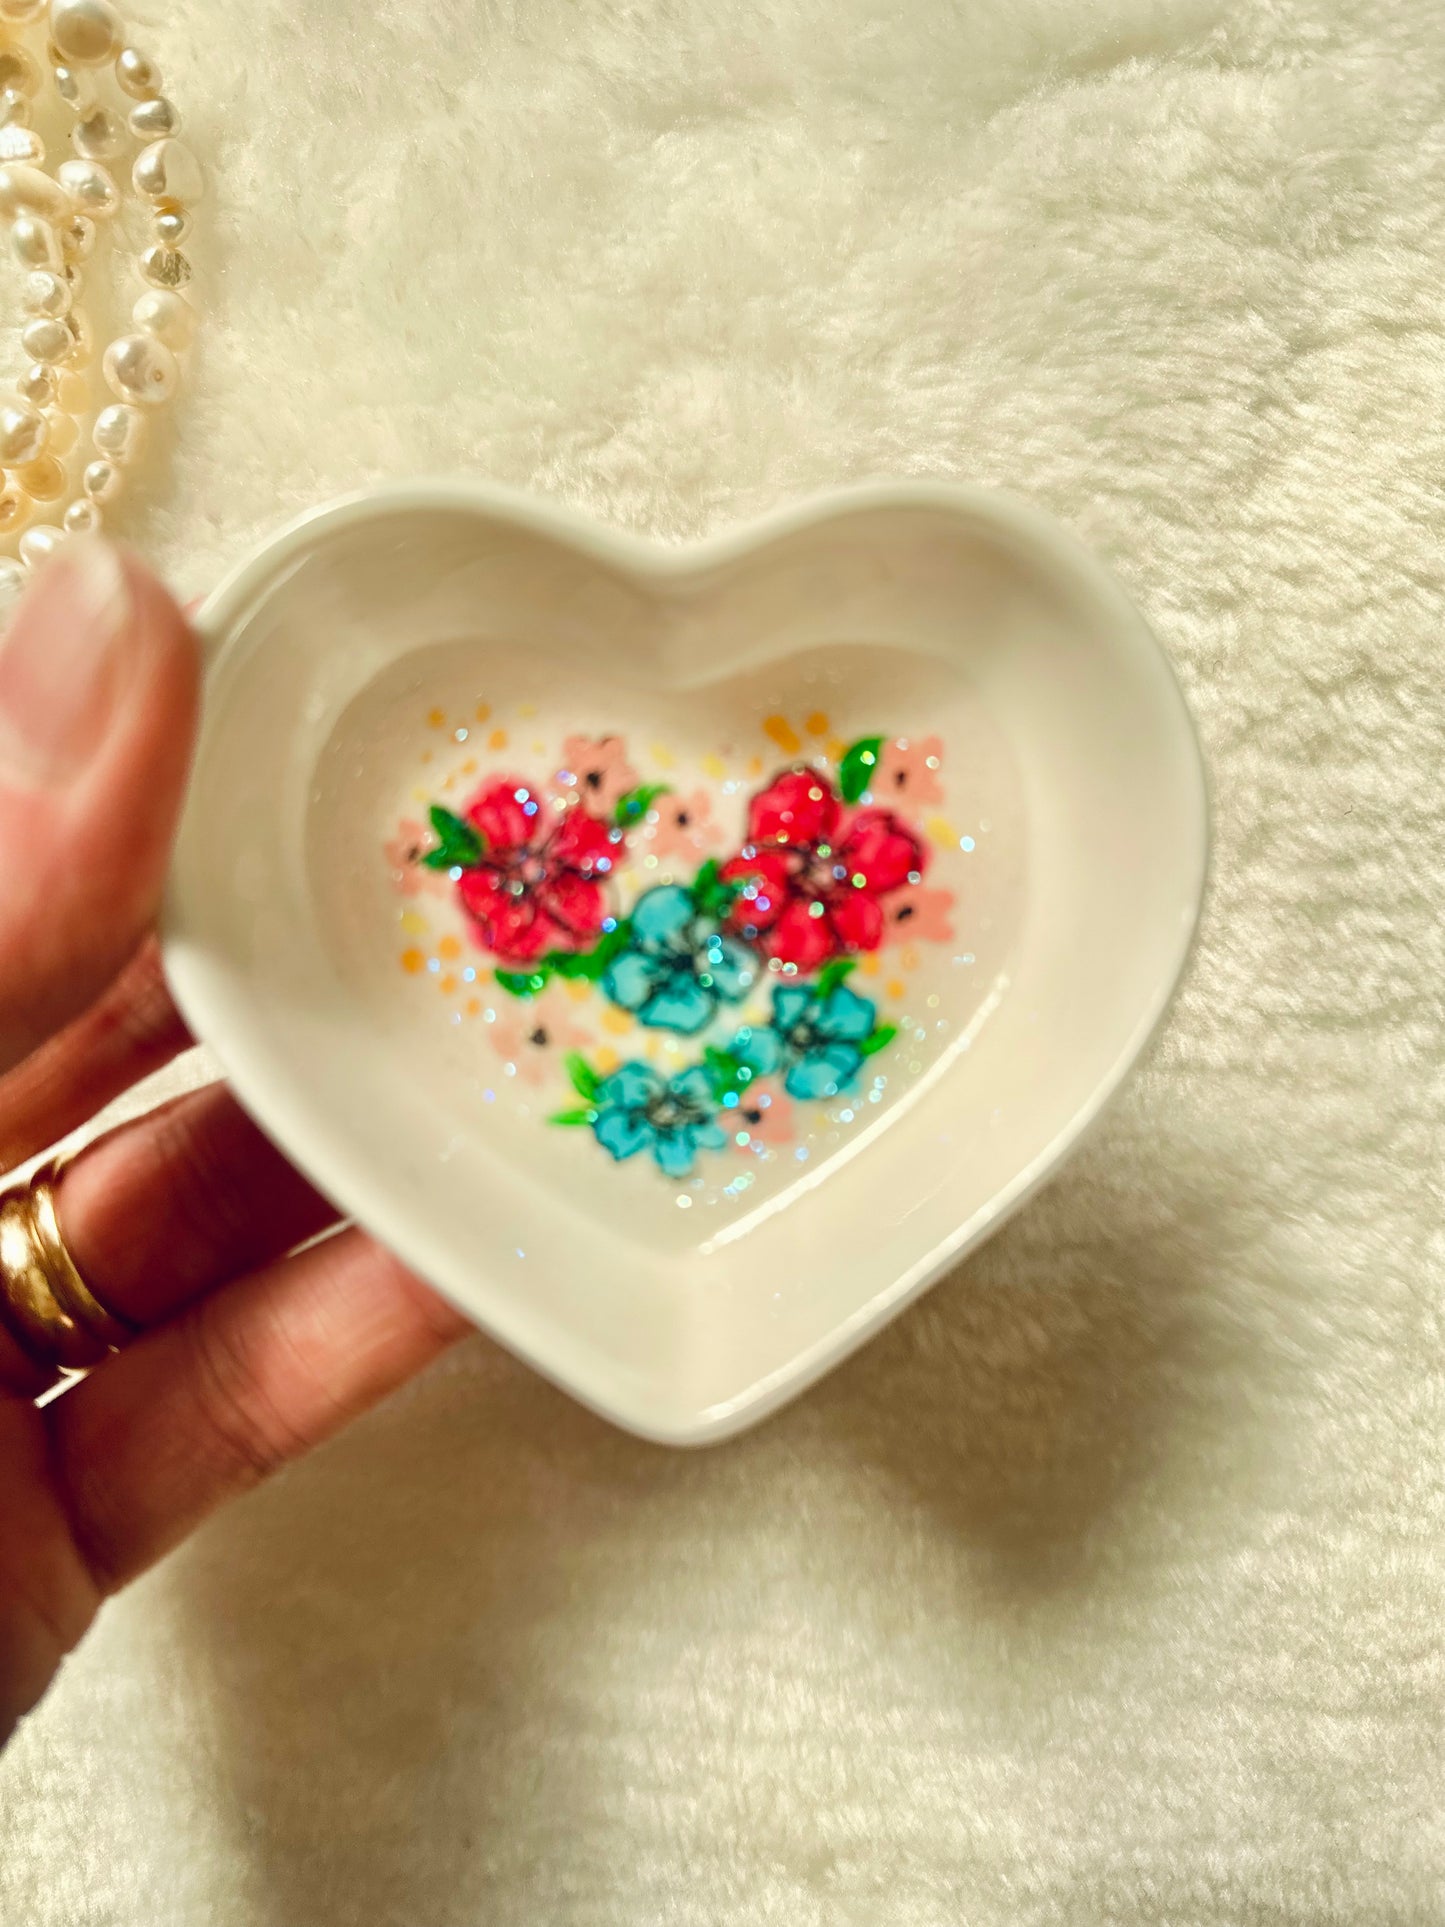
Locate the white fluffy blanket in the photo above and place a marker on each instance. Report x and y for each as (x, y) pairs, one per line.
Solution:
(1108, 1585)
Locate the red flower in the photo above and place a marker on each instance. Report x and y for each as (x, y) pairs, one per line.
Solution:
(814, 879)
(536, 888)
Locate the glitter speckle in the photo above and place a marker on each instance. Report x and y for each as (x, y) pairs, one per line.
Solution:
(460, 735)
(684, 1202)
(965, 843)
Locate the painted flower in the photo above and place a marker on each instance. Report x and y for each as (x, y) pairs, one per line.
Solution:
(404, 853)
(537, 884)
(766, 1115)
(601, 774)
(815, 879)
(535, 1036)
(907, 772)
(684, 825)
(816, 1039)
(678, 966)
(637, 1109)
(919, 915)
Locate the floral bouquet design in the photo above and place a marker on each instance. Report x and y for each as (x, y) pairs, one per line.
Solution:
(749, 959)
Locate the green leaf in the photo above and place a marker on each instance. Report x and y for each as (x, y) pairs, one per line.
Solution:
(879, 1040)
(832, 974)
(855, 772)
(458, 844)
(713, 896)
(585, 1080)
(588, 965)
(522, 983)
(632, 807)
(584, 1116)
(726, 1073)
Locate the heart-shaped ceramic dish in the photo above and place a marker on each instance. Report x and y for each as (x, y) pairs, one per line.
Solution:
(680, 956)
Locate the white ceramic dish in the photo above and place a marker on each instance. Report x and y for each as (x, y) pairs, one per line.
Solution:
(410, 645)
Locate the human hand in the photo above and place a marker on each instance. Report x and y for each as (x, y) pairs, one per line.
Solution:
(180, 1222)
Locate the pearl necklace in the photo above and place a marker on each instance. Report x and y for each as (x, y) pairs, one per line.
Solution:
(53, 220)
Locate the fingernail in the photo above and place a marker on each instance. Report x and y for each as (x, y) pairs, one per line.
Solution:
(60, 664)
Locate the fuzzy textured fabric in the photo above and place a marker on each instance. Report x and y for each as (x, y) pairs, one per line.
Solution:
(1109, 1584)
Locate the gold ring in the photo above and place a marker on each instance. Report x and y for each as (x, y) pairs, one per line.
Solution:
(45, 1304)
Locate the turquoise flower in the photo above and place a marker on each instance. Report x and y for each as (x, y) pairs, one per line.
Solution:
(677, 967)
(636, 1109)
(819, 1037)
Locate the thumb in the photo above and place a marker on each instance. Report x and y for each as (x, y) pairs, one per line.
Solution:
(98, 698)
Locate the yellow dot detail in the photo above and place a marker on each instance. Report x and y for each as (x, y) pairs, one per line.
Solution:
(414, 923)
(497, 739)
(779, 730)
(617, 1021)
(426, 756)
(870, 965)
(527, 709)
(942, 832)
(817, 724)
(607, 1059)
(448, 985)
(755, 766)
(450, 948)
(469, 767)
(483, 711)
(715, 767)
(436, 718)
(663, 756)
(474, 1006)
(837, 749)
(412, 961)
(578, 991)
(897, 988)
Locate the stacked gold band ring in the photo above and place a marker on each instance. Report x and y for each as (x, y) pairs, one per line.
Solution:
(45, 1304)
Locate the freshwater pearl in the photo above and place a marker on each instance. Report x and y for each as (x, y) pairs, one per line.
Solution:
(154, 119)
(24, 432)
(137, 74)
(118, 431)
(101, 481)
(64, 432)
(38, 385)
(77, 237)
(35, 243)
(76, 89)
(25, 190)
(86, 31)
(166, 316)
(167, 170)
(99, 137)
(139, 368)
(37, 545)
(19, 71)
(51, 214)
(165, 267)
(21, 144)
(81, 334)
(172, 225)
(43, 480)
(91, 187)
(48, 341)
(46, 293)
